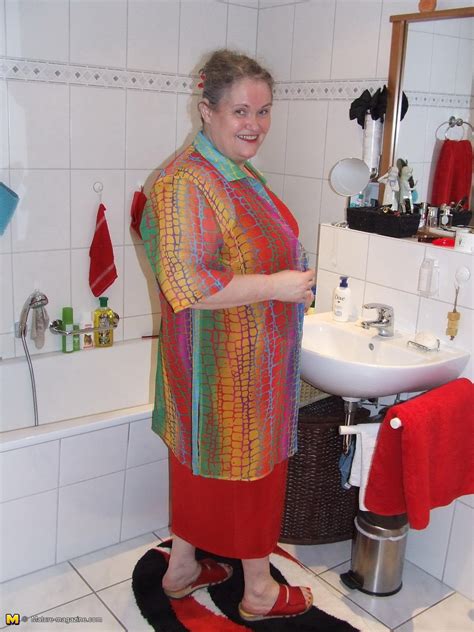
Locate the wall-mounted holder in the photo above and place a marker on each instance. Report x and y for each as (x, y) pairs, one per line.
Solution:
(420, 347)
(57, 327)
(428, 278)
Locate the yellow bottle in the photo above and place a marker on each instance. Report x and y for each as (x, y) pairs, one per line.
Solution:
(103, 317)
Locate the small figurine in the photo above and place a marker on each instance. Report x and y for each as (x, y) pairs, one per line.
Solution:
(407, 186)
(392, 188)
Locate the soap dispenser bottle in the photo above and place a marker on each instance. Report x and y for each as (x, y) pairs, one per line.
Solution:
(341, 306)
(103, 317)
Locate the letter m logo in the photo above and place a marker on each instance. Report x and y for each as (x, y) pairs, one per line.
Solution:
(12, 619)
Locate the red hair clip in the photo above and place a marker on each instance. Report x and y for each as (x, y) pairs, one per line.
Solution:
(203, 79)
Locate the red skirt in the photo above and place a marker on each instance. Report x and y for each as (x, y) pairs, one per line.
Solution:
(240, 519)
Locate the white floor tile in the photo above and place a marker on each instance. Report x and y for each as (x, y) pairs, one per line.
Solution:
(42, 590)
(419, 592)
(164, 533)
(120, 600)
(320, 557)
(87, 608)
(454, 614)
(113, 564)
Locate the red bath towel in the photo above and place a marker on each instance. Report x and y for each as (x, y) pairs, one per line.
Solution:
(429, 461)
(102, 271)
(453, 175)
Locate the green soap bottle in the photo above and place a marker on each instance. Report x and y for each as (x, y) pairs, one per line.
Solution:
(68, 320)
(103, 318)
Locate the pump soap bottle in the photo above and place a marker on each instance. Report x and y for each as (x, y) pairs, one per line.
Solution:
(341, 306)
(103, 317)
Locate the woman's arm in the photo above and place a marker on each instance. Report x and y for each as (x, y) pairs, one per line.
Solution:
(289, 286)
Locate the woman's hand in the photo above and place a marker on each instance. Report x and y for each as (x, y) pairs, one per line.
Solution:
(291, 286)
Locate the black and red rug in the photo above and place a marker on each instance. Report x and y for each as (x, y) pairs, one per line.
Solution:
(215, 609)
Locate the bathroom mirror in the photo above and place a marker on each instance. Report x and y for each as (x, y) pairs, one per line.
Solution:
(349, 176)
(438, 86)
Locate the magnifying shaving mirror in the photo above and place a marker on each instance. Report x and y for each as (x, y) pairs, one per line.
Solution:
(349, 176)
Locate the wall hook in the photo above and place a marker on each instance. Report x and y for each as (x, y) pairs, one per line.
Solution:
(98, 188)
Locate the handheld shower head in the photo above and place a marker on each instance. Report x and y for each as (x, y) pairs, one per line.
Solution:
(36, 300)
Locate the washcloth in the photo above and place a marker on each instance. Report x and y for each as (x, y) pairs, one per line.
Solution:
(453, 174)
(429, 461)
(8, 203)
(102, 271)
(136, 210)
(366, 438)
(39, 325)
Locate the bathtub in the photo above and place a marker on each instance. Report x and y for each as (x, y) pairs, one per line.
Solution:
(77, 484)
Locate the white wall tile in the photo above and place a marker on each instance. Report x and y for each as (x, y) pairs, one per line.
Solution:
(411, 138)
(138, 326)
(271, 156)
(48, 271)
(356, 34)
(98, 32)
(464, 65)
(7, 350)
(333, 205)
(85, 202)
(39, 125)
(445, 55)
(459, 571)
(145, 505)
(16, 403)
(151, 129)
(30, 25)
(242, 29)
(306, 138)
(29, 523)
(42, 217)
(83, 301)
(276, 25)
(312, 40)
(188, 120)
(146, 50)
(93, 454)
(6, 294)
(6, 238)
(417, 66)
(394, 7)
(29, 471)
(394, 263)
(427, 548)
(405, 305)
(467, 500)
(99, 499)
(3, 44)
(302, 197)
(144, 446)
(343, 136)
(202, 30)
(275, 182)
(4, 143)
(140, 291)
(97, 128)
(449, 262)
(343, 251)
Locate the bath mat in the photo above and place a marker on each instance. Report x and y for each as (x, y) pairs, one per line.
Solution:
(214, 609)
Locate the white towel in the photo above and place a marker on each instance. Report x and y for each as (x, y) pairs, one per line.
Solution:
(366, 438)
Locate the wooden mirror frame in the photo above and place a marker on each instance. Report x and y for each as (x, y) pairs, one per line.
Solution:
(400, 25)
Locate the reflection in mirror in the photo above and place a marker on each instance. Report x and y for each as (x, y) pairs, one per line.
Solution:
(431, 60)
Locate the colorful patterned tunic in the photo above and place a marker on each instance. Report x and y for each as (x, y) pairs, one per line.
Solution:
(227, 381)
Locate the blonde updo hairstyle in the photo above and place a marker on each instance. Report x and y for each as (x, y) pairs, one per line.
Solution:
(226, 67)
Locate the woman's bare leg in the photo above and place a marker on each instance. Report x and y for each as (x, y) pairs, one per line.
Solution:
(261, 590)
(182, 567)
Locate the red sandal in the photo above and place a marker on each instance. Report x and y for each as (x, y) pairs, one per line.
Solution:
(212, 573)
(290, 602)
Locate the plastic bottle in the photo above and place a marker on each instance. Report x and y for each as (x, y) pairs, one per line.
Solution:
(68, 319)
(341, 306)
(76, 339)
(103, 318)
(87, 339)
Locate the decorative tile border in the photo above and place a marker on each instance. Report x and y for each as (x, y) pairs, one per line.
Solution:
(75, 74)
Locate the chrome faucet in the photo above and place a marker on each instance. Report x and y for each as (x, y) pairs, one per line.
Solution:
(385, 320)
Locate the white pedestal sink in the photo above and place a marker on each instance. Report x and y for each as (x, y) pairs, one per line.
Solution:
(346, 360)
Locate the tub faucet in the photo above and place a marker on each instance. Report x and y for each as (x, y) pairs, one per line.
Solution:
(385, 320)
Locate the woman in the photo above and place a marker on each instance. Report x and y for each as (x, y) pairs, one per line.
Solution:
(233, 288)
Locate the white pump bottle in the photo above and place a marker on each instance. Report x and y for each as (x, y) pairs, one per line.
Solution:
(341, 306)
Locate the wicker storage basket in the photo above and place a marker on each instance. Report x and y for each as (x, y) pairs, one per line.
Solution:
(392, 225)
(362, 218)
(317, 509)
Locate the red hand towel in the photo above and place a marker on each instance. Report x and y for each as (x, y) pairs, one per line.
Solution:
(136, 210)
(102, 271)
(429, 461)
(453, 175)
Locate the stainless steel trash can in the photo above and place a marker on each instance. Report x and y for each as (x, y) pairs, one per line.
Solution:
(378, 553)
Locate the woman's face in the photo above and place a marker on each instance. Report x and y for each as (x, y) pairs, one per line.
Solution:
(240, 121)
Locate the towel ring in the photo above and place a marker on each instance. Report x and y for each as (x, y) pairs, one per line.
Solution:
(453, 122)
